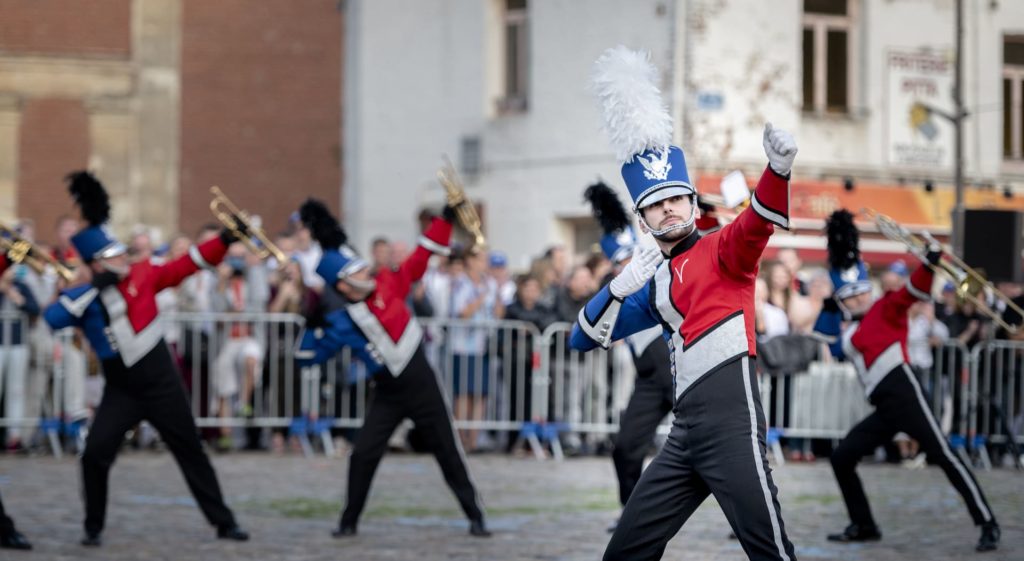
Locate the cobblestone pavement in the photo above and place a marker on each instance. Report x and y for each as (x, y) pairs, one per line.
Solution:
(539, 511)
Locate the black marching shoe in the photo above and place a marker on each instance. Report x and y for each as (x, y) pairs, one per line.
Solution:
(479, 529)
(233, 532)
(344, 531)
(14, 540)
(91, 539)
(857, 533)
(989, 539)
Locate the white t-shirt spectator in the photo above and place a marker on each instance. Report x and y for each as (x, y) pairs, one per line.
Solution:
(920, 330)
(472, 340)
(775, 321)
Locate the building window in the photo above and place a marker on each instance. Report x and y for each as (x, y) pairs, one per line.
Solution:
(515, 57)
(1013, 98)
(828, 41)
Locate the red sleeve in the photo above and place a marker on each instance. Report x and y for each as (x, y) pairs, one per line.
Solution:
(744, 239)
(918, 288)
(207, 255)
(3, 263)
(433, 240)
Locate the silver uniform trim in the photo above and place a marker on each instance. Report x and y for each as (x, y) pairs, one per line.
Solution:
(883, 365)
(759, 460)
(131, 345)
(434, 247)
(395, 356)
(638, 342)
(769, 215)
(916, 292)
(601, 330)
(960, 468)
(198, 259)
(669, 315)
(715, 347)
(77, 306)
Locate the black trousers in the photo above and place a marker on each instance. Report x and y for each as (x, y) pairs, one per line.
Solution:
(415, 394)
(6, 524)
(716, 446)
(651, 400)
(150, 390)
(900, 406)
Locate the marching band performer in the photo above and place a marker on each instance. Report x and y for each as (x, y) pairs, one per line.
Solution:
(876, 342)
(717, 441)
(652, 396)
(117, 311)
(370, 316)
(10, 537)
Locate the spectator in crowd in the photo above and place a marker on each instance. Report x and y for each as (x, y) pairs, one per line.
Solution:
(308, 252)
(780, 288)
(525, 307)
(542, 270)
(239, 364)
(559, 259)
(475, 299)
(576, 379)
(498, 270)
(289, 295)
(804, 310)
(18, 307)
(580, 286)
(769, 319)
(790, 259)
(382, 254)
(894, 277)
(925, 335)
(599, 265)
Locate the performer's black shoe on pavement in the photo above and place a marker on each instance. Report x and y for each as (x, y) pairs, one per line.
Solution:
(232, 533)
(479, 529)
(989, 539)
(92, 539)
(344, 531)
(14, 540)
(856, 533)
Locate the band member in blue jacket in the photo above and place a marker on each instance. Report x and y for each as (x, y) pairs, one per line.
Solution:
(117, 311)
(370, 316)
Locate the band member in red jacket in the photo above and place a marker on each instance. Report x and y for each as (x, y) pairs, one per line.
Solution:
(370, 315)
(117, 312)
(876, 342)
(717, 441)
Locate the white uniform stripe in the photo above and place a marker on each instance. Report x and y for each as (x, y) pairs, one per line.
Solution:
(769, 215)
(434, 247)
(197, 258)
(917, 292)
(975, 493)
(458, 442)
(610, 316)
(759, 464)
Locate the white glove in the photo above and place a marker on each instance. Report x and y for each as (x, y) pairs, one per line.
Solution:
(635, 275)
(780, 147)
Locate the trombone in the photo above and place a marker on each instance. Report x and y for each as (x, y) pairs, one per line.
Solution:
(234, 219)
(969, 283)
(464, 209)
(20, 250)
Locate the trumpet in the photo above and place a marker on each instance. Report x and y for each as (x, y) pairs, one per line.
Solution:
(20, 250)
(464, 209)
(970, 285)
(234, 219)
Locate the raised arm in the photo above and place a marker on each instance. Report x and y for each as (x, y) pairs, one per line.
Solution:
(320, 344)
(433, 240)
(206, 255)
(917, 288)
(743, 241)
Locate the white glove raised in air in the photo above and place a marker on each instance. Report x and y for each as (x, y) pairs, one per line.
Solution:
(780, 147)
(637, 272)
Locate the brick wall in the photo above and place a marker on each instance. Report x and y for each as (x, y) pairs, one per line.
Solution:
(261, 106)
(100, 28)
(53, 141)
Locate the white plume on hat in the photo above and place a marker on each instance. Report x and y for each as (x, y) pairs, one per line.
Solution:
(636, 119)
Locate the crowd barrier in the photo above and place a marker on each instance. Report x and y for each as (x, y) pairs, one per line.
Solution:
(504, 379)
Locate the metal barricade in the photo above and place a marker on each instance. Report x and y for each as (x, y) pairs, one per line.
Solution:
(997, 392)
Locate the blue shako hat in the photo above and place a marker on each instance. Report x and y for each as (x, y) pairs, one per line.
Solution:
(656, 175)
(338, 260)
(847, 271)
(639, 126)
(94, 241)
(619, 239)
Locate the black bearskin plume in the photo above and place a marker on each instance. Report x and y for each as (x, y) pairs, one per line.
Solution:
(90, 196)
(843, 240)
(607, 208)
(324, 227)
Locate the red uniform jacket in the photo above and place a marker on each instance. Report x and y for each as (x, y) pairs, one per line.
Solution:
(878, 343)
(384, 317)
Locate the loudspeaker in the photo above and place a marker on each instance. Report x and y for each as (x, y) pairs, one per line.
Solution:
(994, 242)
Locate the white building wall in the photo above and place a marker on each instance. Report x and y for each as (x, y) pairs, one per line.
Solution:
(420, 76)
